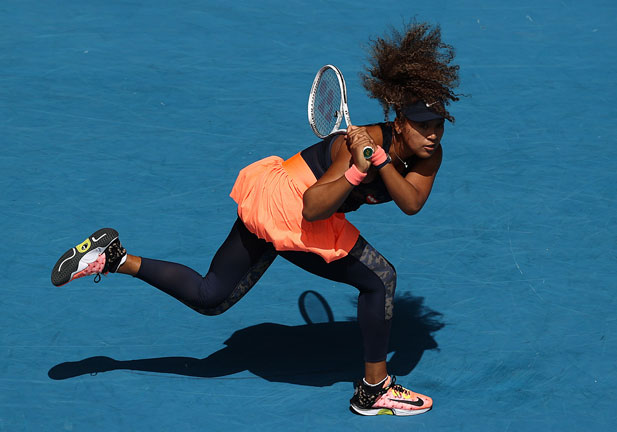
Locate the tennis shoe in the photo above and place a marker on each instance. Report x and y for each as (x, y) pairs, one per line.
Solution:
(101, 253)
(391, 399)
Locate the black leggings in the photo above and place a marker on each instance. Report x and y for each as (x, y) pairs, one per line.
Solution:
(243, 258)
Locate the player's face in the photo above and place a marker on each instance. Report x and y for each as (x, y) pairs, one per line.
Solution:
(422, 138)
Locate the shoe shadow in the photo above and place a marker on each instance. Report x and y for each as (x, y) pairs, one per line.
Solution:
(313, 354)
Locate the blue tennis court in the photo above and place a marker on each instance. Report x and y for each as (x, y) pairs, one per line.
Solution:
(138, 115)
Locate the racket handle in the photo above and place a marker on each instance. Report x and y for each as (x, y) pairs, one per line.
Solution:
(367, 152)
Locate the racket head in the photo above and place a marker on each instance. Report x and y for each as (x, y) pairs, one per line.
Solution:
(327, 104)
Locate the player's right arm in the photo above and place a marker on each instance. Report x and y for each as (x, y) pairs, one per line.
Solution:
(326, 196)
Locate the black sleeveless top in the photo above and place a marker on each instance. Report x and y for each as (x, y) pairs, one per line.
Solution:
(319, 158)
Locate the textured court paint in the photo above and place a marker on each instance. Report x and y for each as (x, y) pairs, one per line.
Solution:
(138, 115)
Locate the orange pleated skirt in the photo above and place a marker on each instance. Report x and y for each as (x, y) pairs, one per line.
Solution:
(269, 197)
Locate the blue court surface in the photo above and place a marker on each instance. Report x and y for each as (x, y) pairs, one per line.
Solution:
(139, 114)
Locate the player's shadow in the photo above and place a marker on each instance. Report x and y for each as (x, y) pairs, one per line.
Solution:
(313, 354)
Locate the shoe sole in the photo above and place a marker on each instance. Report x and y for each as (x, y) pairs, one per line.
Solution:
(387, 411)
(76, 259)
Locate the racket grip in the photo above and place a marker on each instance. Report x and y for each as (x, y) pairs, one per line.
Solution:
(367, 152)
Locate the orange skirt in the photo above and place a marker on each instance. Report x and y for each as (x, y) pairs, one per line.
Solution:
(269, 196)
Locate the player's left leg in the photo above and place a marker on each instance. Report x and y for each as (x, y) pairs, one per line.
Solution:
(375, 278)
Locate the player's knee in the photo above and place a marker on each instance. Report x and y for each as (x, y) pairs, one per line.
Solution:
(391, 273)
(211, 311)
(208, 307)
(389, 279)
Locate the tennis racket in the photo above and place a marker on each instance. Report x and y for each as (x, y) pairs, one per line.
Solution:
(327, 104)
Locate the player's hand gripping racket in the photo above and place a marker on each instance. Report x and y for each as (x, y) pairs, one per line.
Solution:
(327, 104)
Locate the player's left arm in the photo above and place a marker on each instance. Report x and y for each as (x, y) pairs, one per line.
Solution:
(411, 192)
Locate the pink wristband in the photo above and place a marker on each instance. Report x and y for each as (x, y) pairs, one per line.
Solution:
(379, 156)
(354, 175)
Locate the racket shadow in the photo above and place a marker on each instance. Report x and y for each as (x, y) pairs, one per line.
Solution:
(318, 355)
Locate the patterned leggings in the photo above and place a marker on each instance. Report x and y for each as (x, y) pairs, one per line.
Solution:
(243, 258)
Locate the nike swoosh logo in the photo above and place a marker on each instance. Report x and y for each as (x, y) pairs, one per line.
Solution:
(97, 239)
(418, 402)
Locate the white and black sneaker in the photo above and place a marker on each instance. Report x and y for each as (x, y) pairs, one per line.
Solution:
(100, 253)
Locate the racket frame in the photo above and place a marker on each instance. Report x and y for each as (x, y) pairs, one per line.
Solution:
(343, 110)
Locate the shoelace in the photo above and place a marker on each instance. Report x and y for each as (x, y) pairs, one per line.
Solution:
(111, 256)
(399, 390)
(97, 267)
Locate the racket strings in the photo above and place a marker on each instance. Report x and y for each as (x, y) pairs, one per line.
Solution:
(327, 114)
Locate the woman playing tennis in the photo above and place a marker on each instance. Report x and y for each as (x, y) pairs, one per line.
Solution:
(296, 208)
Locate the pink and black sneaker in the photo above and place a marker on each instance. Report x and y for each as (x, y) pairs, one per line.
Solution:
(389, 399)
(100, 253)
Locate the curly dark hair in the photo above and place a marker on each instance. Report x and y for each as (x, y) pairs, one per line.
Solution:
(411, 65)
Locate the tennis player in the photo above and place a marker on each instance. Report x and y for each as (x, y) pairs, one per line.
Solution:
(296, 208)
